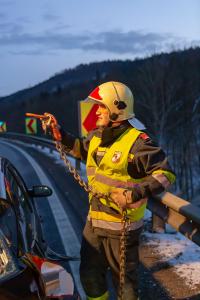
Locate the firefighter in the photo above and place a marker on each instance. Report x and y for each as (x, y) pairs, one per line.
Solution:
(124, 163)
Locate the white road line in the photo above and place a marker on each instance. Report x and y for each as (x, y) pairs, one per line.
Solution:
(67, 234)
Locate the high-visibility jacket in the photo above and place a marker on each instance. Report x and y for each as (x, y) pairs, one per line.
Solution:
(112, 173)
(105, 296)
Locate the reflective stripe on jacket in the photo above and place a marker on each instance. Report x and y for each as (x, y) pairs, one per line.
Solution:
(112, 173)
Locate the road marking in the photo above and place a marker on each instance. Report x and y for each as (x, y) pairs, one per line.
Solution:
(65, 229)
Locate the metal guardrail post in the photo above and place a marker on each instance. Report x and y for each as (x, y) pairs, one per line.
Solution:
(158, 224)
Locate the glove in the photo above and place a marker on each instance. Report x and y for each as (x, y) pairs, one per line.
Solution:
(124, 199)
(121, 197)
(49, 123)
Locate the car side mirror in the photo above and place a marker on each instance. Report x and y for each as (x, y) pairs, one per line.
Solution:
(40, 191)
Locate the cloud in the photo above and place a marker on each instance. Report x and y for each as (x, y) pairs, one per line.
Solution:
(128, 42)
(36, 52)
(116, 42)
(8, 29)
(51, 17)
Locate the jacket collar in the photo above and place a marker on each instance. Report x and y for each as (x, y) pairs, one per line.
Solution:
(109, 134)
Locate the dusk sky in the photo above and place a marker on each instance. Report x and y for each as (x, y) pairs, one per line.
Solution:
(42, 37)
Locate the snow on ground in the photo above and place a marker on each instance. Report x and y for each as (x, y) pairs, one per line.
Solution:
(178, 252)
(175, 249)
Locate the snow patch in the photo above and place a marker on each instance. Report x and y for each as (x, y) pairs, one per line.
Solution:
(179, 252)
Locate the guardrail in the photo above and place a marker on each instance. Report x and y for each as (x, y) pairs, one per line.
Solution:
(27, 138)
(179, 213)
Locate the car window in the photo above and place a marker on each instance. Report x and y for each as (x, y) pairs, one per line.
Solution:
(19, 189)
(18, 196)
(8, 225)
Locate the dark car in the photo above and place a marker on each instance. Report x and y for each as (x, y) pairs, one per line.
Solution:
(26, 269)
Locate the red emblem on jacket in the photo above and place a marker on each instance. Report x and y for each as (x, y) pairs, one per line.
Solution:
(144, 136)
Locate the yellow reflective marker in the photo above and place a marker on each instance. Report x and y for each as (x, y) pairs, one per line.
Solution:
(31, 125)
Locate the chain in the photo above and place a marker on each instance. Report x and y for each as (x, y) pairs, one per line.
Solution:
(89, 189)
(122, 256)
(76, 175)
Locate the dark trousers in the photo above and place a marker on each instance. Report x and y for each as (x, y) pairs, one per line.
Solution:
(100, 252)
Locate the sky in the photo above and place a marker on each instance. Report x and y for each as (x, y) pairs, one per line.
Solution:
(39, 38)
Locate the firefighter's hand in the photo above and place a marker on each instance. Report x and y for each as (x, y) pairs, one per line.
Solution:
(48, 121)
(50, 124)
(121, 197)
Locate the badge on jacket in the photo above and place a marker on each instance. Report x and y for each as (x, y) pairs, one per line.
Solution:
(116, 156)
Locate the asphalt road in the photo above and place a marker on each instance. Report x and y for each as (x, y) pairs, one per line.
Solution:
(157, 281)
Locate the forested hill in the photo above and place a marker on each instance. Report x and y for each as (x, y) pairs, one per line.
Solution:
(159, 83)
(166, 88)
